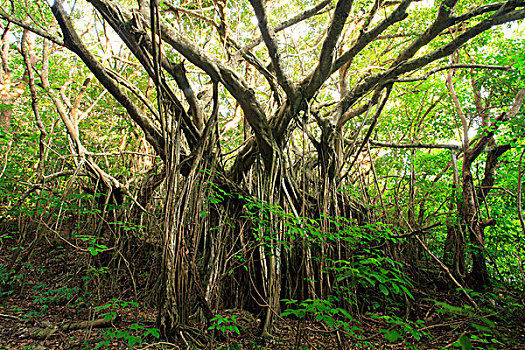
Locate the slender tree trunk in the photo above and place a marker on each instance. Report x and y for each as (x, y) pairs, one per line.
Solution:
(479, 277)
(454, 249)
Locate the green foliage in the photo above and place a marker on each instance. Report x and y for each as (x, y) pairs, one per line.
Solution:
(135, 335)
(55, 296)
(226, 325)
(46, 297)
(400, 329)
(408, 189)
(110, 308)
(482, 329)
(128, 226)
(93, 247)
(325, 311)
(374, 271)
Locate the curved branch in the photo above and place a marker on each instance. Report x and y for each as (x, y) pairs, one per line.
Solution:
(497, 19)
(121, 19)
(443, 20)
(326, 59)
(31, 27)
(391, 74)
(73, 42)
(367, 37)
(314, 11)
(453, 66)
(472, 153)
(269, 39)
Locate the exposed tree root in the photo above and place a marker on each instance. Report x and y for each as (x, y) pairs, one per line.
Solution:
(45, 333)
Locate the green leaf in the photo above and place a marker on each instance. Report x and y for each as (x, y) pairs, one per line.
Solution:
(407, 292)
(392, 335)
(464, 340)
(154, 332)
(383, 289)
(481, 328)
(102, 344)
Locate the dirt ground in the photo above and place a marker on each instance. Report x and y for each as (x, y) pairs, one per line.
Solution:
(55, 302)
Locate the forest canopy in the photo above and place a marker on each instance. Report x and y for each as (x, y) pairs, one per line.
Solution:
(320, 160)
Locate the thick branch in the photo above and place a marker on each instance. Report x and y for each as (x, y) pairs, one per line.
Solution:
(138, 41)
(473, 152)
(367, 37)
(391, 74)
(326, 59)
(179, 73)
(288, 23)
(72, 41)
(448, 49)
(269, 39)
(490, 171)
(443, 20)
(237, 86)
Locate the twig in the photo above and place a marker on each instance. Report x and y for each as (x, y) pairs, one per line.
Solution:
(12, 317)
(268, 36)
(418, 231)
(454, 66)
(314, 11)
(174, 346)
(414, 145)
(446, 269)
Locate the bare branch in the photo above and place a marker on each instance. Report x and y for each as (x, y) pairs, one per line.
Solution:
(377, 113)
(516, 105)
(453, 66)
(443, 20)
(326, 59)
(136, 91)
(367, 37)
(403, 67)
(448, 49)
(459, 109)
(179, 73)
(472, 153)
(31, 27)
(25, 48)
(269, 39)
(175, 8)
(314, 11)
(72, 41)
(237, 86)
(415, 145)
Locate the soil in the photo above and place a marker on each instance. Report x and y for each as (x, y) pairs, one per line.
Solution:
(60, 284)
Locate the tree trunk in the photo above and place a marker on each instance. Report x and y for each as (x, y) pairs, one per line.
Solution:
(479, 277)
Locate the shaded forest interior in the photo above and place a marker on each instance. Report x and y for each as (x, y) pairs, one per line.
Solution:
(259, 174)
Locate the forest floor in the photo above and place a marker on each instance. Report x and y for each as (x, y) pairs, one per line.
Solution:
(53, 293)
